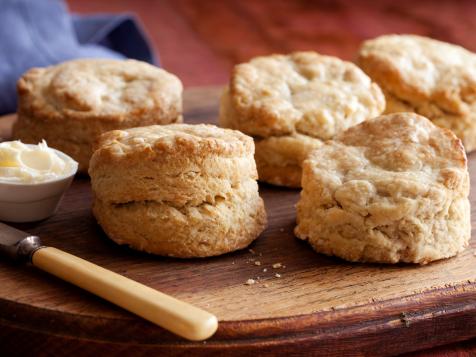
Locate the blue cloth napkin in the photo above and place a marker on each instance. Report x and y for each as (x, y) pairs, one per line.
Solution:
(37, 33)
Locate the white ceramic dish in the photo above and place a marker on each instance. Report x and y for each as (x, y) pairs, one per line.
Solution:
(29, 202)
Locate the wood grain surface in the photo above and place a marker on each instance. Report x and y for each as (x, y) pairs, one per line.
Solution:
(318, 304)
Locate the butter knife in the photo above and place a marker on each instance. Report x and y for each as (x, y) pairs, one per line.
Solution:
(174, 315)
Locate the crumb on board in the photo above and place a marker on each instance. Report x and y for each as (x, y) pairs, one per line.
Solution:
(266, 285)
(277, 275)
(250, 281)
(233, 263)
(258, 263)
(404, 319)
(277, 265)
(281, 229)
(251, 251)
(265, 270)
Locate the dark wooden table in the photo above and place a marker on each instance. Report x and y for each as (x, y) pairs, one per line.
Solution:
(200, 41)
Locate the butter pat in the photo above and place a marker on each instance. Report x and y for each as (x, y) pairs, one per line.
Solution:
(26, 163)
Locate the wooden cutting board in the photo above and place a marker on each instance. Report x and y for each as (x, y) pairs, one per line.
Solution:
(312, 305)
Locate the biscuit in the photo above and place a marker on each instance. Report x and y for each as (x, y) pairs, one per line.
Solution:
(70, 104)
(279, 158)
(391, 189)
(303, 96)
(177, 190)
(429, 77)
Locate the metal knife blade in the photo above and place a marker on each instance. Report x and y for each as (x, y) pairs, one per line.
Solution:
(16, 244)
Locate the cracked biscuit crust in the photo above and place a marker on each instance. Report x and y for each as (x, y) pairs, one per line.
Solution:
(391, 189)
(305, 92)
(429, 77)
(299, 99)
(178, 190)
(70, 104)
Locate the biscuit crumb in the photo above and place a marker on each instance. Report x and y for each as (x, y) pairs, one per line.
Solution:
(277, 266)
(251, 251)
(250, 281)
(404, 319)
(281, 229)
(265, 270)
(266, 285)
(233, 263)
(258, 263)
(277, 275)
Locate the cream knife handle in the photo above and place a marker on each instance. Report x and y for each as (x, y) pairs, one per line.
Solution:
(174, 315)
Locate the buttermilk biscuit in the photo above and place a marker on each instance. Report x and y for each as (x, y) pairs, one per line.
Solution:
(291, 103)
(391, 189)
(428, 77)
(70, 104)
(279, 158)
(177, 190)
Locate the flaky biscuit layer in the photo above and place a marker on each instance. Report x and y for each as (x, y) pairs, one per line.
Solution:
(177, 163)
(279, 158)
(430, 77)
(230, 222)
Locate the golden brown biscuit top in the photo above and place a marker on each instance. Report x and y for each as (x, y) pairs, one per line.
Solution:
(302, 92)
(395, 147)
(98, 87)
(416, 68)
(156, 140)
